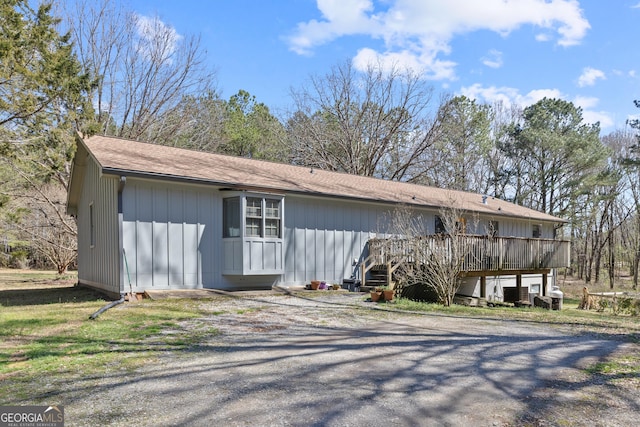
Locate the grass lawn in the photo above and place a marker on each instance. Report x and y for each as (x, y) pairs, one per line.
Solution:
(45, 331)
(46, 334)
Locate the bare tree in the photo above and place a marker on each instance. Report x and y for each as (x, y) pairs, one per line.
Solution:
(39, 217)
(624, 144)
(434, 261)
(143, 66)
(44, 101)
(376, 123)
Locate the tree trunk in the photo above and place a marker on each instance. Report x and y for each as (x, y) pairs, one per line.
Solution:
(612, 250)
(598, 263)
(636, 264)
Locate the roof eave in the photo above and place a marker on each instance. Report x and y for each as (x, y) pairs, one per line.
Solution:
(244, 187)
(78, 170)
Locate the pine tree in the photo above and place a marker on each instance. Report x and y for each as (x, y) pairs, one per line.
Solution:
(43, 102)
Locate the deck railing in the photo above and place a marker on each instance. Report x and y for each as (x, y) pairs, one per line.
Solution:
(475, 253)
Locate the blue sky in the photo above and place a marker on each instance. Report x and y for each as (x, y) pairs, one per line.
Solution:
(517, 51)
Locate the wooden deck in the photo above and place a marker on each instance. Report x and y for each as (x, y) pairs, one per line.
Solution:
(479, 255)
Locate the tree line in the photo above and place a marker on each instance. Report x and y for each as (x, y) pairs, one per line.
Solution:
(98, 68)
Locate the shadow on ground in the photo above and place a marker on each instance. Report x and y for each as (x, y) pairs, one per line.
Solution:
(49, 295)
(401, 370)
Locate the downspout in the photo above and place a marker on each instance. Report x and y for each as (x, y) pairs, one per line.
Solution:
(107, 307)
(123, 181)
(121, 259)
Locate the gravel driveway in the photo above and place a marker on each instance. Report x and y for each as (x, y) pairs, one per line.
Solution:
(338, 361)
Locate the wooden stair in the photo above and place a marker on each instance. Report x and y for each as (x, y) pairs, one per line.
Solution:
(377, 277)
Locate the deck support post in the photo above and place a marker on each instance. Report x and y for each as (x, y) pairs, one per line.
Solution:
(544, 284)
(518, 286)
(483, 286)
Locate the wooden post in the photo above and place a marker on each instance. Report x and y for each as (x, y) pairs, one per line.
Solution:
(544, 284)
(518, 286)
(483, 286)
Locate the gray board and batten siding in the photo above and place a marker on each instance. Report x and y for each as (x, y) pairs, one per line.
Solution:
(172, 239)
(140, 228)
(99, 252)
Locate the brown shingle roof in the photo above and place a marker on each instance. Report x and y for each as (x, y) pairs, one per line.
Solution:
(126, 157)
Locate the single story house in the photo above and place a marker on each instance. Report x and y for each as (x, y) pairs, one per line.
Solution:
(158, 217)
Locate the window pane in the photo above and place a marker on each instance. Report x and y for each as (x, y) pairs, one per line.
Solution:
(536, 232)
(272, 208)
(253, 217)
(494, 228)
(231, 217)
(253, 227)
(272, 228)
(254, 207)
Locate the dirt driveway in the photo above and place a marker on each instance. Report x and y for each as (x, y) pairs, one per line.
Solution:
(337, 361)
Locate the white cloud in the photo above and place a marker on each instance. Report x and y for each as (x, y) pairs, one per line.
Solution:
(428, 67)
(637, 6)
(541, 37)
(493, 59)
(419, 32)
(589, 76)
(510, 96)
(158, 41)
(603, 117)
(589, 115)
(586, 102)
(345, 17)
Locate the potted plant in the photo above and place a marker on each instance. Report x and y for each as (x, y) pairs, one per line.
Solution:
(386, 293)
(376, 295)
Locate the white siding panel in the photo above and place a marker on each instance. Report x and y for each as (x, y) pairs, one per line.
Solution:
(269, 251)
(172, 236)
(330, 253)
(129, 237)
(160, 255)
(320, 252)
(206, 221)
(326, 236)
(129, 241)
(175, 233)
(232, 256)
(144, 254)
(169, 232)
(176, 255)
(190, 239)
(99, 265)
(260, 257)
(160, 239)
(310, 254)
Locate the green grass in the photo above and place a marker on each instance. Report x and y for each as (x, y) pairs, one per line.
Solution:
(623, 367)
(45, 332)
(64, 343)
(46, 335)
(626, 327)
